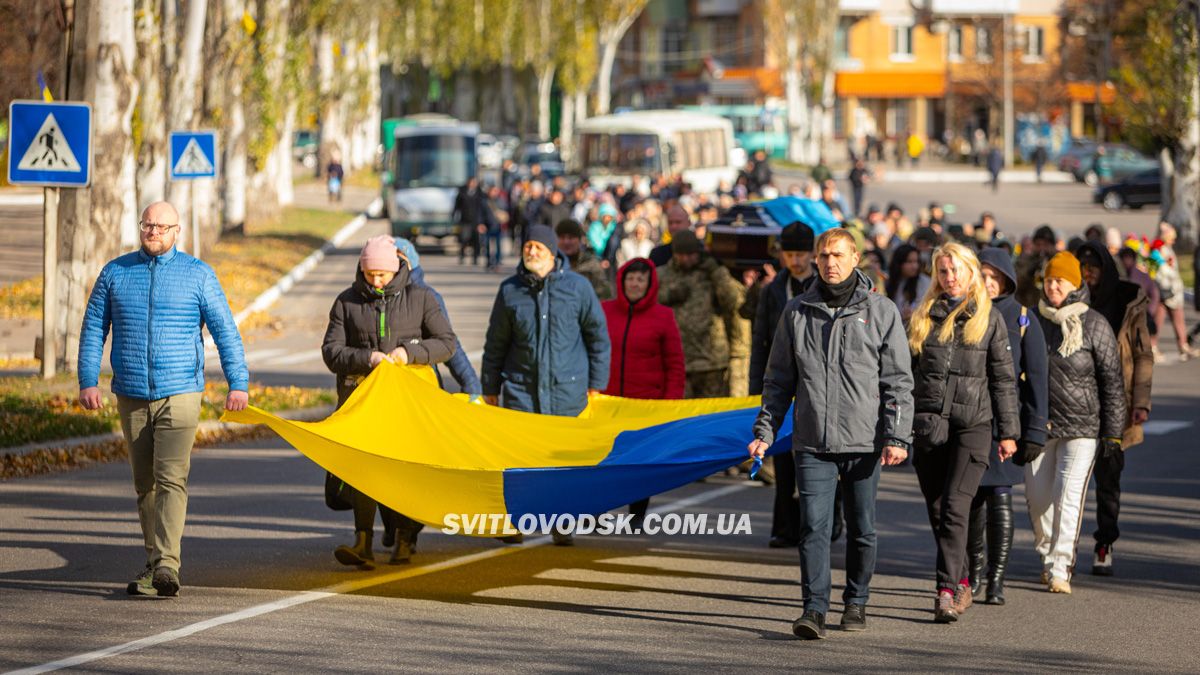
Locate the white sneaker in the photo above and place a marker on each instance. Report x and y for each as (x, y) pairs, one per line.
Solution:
(1102, 561)
(1158, 357)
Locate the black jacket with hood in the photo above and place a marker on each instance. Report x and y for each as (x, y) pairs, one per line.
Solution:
(1030, 366)
(364, 320)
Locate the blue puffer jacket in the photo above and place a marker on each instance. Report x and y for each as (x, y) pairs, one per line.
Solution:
(547, 343)
(156, 306)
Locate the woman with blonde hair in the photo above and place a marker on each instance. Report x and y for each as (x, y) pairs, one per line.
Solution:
(964, 377)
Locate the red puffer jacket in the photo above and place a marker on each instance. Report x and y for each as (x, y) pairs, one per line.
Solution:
(647, 353)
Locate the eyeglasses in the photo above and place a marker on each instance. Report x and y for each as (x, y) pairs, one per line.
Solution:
(156, 227)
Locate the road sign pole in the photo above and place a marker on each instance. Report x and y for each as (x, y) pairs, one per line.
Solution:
(195, 230)
(49, 282)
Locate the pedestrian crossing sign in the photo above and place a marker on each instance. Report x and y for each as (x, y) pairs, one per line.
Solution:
(193, 154)
(50, 144)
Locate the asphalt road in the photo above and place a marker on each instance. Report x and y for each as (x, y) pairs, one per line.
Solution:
(262, 592)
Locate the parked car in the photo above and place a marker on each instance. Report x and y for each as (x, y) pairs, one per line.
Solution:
(304, 148)
(489, 151)
(1123, 161)
(543, 153)
(1079, 149)
(1133, 191)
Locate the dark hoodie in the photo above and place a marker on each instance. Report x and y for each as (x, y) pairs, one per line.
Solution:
(460, 365)
(364, 320)
(1029, 362)
(1111, 296)
(647, 352)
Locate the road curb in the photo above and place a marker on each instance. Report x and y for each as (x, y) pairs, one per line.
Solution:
(205, 428)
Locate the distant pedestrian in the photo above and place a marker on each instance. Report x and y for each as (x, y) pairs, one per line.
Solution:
(574, 248)
(1170, 288)
(846, 422)
(915, 146)
(860, 175)
(471, 213)
(964, 383)
(382, 316)
(636, 243)
(156, 302)
(334, 174)
(1087, 402)
(1039, 160)
(995, 164)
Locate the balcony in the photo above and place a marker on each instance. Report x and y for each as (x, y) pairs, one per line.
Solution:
(859, 6)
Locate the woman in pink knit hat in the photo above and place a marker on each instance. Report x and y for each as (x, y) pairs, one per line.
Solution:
(381, 317)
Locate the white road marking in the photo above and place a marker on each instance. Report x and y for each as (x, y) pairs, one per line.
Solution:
(261, 354)
(305, 597)
(1164, 427)
(293, 359)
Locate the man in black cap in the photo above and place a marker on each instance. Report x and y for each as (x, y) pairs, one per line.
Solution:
(583, 262)
(703, 295)
(1029, 265)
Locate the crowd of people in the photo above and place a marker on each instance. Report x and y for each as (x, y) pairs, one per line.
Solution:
(983, 361)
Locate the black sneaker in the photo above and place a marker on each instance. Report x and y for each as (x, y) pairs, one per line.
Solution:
(782, 542)
(854, 618)
(810, 625)
(143, 584)
(166, 582)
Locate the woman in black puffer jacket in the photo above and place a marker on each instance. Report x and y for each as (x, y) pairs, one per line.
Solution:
(382, 317)
(964, 380)
(1087, 402)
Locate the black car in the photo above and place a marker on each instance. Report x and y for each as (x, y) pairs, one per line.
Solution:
(1134, 191)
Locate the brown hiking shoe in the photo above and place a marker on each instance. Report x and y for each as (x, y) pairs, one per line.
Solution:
(962, 599)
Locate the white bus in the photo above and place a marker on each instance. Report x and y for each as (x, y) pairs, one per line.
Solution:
(428, 158)
(697, 146)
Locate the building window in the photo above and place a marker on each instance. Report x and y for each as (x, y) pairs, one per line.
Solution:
(674, 37)
(902, 43)
(954, 38)
(983, 44)
(727, 48)
(841, 41)
(1035, 44)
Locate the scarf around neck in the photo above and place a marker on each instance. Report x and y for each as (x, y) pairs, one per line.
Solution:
(1070, 317)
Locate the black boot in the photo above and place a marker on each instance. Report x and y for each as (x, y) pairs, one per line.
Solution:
(360, 554)
(976, 527)
(999, 544)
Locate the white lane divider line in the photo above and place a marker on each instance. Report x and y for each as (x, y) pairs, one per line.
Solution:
(305, 597)
(1164, 427)
(261, 354)
(303, 356)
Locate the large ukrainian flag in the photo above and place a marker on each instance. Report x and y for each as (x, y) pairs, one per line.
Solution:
(427, 454)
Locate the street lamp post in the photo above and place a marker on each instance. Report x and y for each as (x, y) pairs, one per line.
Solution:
(1008, 90)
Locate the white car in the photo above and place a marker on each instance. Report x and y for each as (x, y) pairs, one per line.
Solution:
(490, 151)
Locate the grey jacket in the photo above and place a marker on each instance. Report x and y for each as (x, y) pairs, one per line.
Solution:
(848, 370)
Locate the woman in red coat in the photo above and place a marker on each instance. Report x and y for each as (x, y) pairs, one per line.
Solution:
(647, 352)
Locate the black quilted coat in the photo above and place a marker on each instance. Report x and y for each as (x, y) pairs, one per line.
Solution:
(979, 378)
(1087, 392)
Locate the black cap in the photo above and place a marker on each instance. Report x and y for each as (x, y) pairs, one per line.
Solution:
(1045, 233)
(926, 234)
(685, 241)
(797, 237)
(873, 208)
(543, 235)
(895, 207)
(568, 228)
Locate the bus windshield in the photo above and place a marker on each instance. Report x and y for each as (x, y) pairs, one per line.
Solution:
(438, 161)
(621, 153)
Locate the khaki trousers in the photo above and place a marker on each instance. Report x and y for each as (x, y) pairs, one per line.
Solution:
(160, 435)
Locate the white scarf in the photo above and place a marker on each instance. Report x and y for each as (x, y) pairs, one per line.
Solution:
(1070, 318)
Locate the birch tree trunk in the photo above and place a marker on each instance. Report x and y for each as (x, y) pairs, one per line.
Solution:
(90, 219)
(234, 171)
(152, 155)
(566, 129)
(610, 39)
(183, 106)
(545, 83)
(797, 99)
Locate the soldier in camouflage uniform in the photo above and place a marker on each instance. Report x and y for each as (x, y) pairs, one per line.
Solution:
(583, 261)
(703, 296)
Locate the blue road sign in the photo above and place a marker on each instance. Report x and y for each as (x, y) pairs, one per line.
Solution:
(193, 155)
(50, 144)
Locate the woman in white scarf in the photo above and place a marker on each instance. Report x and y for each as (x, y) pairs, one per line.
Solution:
(1087, 415)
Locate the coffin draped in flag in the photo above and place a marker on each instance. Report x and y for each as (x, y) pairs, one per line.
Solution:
(429, 454)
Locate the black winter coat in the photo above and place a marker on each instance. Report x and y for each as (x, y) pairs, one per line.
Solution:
(411, 318)
(1087, 391)
(771, 302)
(978, 378)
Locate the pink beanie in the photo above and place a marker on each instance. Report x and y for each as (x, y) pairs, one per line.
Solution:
(380, 255)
